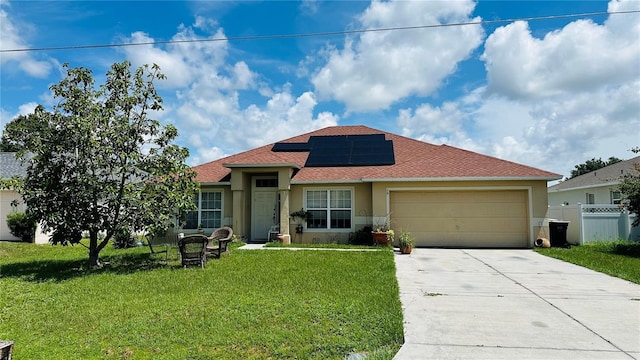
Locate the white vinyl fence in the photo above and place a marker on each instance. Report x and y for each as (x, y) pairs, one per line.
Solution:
(591, 223)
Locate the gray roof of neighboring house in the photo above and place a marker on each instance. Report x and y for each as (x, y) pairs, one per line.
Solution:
(605, 175)
(11, 166)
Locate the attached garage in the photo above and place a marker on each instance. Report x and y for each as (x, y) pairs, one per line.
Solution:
(462, 218)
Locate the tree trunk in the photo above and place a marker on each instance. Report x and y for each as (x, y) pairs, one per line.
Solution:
(94, 251)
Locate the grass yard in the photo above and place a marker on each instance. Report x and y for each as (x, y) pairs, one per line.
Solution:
(251, 304)
(620, 259)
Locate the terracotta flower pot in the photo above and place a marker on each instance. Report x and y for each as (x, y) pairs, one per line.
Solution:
(406, 249)
(381, 238)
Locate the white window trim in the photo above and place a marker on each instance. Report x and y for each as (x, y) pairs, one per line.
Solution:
(329, 188)
(613, 199)
(199, 210)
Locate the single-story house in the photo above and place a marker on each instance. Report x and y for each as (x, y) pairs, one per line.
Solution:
(596, 187)
(349, 177)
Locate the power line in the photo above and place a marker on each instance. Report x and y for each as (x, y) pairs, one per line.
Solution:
(320, 34)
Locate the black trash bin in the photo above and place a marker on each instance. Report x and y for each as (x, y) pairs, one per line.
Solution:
(558, 233)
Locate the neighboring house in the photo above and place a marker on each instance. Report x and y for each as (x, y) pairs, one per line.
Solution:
(349, 177)
(10, 201)
(597, 187)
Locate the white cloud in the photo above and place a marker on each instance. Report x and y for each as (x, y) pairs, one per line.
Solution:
(207, 110)
(551, 102)
(375, 69)
(11, 38)
(580, 57)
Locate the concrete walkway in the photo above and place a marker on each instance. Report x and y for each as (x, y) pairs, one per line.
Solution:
(513, 304)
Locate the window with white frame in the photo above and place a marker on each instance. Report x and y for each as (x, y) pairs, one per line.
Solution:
(329, 209)
(616, 197)
(591, 198)
(209, 212)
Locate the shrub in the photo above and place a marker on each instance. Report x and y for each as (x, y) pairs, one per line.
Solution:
(22, 225)
(122, 239)
(362, 237)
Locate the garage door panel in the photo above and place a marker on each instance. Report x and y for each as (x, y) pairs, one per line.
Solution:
(462, 218)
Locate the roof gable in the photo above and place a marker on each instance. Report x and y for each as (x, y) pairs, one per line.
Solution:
(413, 160)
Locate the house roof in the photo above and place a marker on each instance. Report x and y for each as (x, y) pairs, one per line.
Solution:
(414, 160)
(11, 166)
(605, 176)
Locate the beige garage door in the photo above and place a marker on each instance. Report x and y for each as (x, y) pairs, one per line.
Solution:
(462, 218)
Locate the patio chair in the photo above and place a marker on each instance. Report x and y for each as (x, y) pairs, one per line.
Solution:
(218, 241)
(193, 250)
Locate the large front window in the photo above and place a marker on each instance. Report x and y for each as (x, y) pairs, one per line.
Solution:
(330, 209)
(209, 212)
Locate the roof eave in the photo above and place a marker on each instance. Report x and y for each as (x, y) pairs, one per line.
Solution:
(465, 178)
(610, 183)
(216, 183)
(337, 181)
(265, 165)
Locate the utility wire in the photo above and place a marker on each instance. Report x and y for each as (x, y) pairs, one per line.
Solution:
(320, 34)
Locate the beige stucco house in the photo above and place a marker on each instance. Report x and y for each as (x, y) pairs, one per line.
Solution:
(596, 187)
(349, 177)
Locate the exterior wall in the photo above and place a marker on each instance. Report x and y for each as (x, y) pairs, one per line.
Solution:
(370, 202)
(6, 197)
(361, 213)
(602, 195)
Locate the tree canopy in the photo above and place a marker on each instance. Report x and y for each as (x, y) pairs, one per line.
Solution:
(592, 165)
(630, 189)
(97, 162)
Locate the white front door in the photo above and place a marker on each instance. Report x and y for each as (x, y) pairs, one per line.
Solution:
(264, 210)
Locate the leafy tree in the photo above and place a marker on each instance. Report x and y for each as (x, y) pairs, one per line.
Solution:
(98, 162)
(6, 146)
(592, 165)
(630, 189)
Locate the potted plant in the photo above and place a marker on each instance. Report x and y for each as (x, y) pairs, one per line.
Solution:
(406, 242)
(300, 217)
(382, 233)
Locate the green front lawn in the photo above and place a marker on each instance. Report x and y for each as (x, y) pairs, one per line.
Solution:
(251, 304)
(620, 259)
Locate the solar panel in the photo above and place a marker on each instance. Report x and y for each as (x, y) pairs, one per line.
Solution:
(343, 150)
(350, 150)
(290, 147)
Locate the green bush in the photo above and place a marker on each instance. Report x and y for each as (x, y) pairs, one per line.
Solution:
(22, 225)
(122, 239)
(362, 237)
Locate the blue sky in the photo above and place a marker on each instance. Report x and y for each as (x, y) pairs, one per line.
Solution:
(548, 93)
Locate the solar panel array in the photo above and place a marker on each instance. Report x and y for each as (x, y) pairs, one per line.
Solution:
(343, 150)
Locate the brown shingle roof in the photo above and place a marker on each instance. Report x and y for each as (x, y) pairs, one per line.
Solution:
(414, 160)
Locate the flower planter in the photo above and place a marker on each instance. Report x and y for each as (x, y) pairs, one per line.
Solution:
(381, 238)
(406, 249)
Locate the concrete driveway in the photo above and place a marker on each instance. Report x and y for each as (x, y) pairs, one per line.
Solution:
(513, 304)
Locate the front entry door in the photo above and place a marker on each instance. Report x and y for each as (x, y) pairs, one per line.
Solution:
(264, 210)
